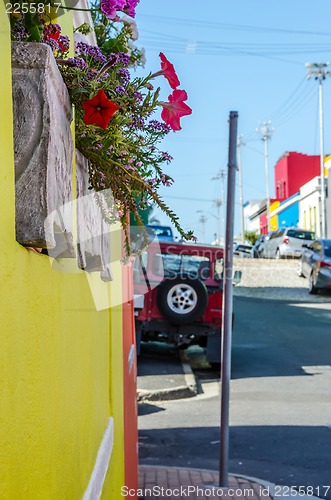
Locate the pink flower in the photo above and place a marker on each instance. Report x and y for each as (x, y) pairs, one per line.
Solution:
(169, 72)
(175, 109)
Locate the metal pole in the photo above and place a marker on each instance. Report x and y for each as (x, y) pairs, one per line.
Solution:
(323, 231)
(320, 72)
(227, 305)
(241, 197)
(266, 159)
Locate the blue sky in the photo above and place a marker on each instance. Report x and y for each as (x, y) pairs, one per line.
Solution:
(247, 56)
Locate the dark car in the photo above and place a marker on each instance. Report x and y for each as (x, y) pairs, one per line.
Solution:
(181, 288)
(257, 250)
(315, 264)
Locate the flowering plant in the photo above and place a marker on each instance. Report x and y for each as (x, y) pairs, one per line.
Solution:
(115, 126)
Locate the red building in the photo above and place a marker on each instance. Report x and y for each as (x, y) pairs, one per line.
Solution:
(292, 171)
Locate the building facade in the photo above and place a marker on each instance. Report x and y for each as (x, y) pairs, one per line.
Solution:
(292, 171)
(69, 415)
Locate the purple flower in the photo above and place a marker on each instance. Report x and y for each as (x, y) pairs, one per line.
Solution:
(83, 49)
(166, 156)
(19, 31)
(123, 58)
(120, 90)
(130, 7)
(123, 75)
(138, 97)
(110, 7)
(166, 180)
(76, 62)
(137, 122)
(64, 43)
(156, 126)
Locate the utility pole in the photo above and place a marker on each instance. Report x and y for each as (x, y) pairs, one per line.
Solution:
(220, 203)
(240, 142)
(266, 132)
(203, 219)
(320, 72)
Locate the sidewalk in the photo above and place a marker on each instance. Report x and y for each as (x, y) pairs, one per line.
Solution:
(180, 483)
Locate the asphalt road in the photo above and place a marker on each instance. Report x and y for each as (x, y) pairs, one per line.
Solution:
(280, 412)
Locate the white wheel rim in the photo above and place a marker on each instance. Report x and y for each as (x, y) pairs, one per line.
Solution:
(182, 299)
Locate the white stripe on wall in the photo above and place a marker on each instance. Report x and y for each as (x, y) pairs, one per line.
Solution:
(95, 486)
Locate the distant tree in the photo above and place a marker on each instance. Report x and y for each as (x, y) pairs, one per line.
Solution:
(252, 236)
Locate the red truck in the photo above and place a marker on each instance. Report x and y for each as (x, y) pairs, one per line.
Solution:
(180, 290)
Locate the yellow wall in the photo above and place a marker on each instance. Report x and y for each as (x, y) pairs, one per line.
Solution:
(57, 354)
(274, 218)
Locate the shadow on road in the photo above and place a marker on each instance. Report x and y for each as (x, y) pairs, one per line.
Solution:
(290, 455)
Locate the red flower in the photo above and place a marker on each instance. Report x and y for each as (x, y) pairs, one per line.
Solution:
(99, 110)
(175, 109)
(169, 72)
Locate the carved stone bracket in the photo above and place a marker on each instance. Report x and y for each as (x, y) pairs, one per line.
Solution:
(43, 148)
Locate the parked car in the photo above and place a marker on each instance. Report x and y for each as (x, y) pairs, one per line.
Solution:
(257, 249)
(286, 242)
(186, 306)
(163, 233)
(315, 264)
(242, 251)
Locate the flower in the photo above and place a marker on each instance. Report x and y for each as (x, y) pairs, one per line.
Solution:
(169, 72)
(99, 110)
(175, 109)
(110, 7)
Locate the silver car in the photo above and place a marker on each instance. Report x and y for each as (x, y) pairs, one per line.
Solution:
(286, 242)
(315, 264)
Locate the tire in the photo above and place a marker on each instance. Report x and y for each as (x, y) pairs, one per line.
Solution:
(182, 300)
(312, 288)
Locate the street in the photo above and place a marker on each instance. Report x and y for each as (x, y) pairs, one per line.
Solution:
(280, 409)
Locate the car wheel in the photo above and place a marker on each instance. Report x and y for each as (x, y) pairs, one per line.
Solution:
(312, 288)
(182, 300)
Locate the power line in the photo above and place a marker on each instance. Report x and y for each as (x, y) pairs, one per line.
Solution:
(231, 27)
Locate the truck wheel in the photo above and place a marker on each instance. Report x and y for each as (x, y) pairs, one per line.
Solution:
(182, 300)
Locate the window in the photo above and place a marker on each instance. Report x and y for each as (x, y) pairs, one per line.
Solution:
(196, 266)
(301, 235)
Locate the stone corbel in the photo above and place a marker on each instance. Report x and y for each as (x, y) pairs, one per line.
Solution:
(43, 150)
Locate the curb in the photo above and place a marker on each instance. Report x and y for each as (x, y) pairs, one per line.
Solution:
(183, 391)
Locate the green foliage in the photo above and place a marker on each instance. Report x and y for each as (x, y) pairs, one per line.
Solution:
(252, 236)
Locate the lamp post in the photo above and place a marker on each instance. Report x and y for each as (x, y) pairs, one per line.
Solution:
(320, 72)
(266, 131)
(240, 142)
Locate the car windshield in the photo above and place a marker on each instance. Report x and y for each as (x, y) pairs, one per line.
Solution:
(243, 248)
(160, 230)
(193, 265)
(301, 235)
